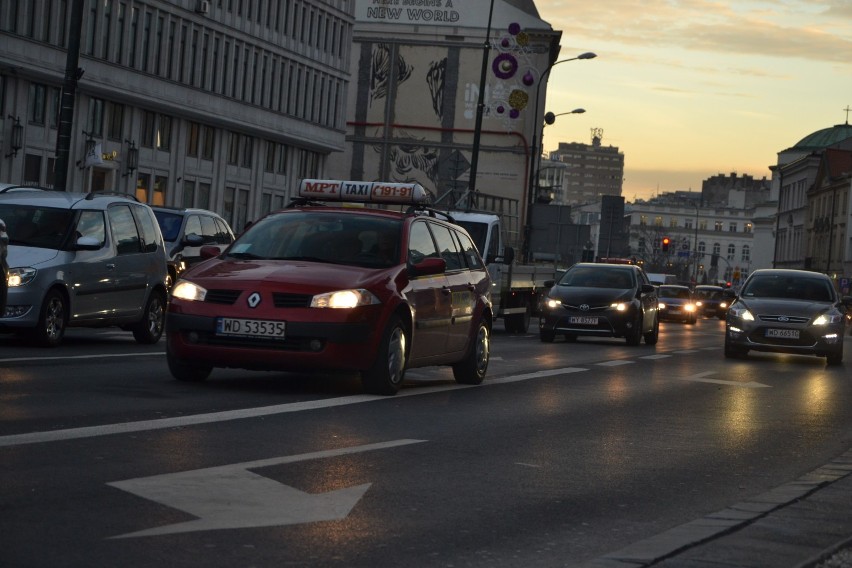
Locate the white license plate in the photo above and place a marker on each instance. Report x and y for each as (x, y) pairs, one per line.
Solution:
(783, 333)
(250, 327)
(581, 320)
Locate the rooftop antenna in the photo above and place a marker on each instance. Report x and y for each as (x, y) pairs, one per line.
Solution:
(847, 109)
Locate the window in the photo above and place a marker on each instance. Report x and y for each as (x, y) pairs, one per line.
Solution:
(732, 250)
(96, 117)
(38, 95)
(142, 188)
(188, 193)
(270, 156)
(748, 227)
(32, 169)
(228, 204)
(203, 199)
(124, 230)
(159, 195)
(673, 222)
(658, 221)
(746, 254)
(233, 148)
(116, 122)
(717, 226)
(246, 151)
(732, 227)
(148, 128)
(717, 249)
(164, 133)
(209, 142)
(701, 248)
(192, 139)
(55, 106)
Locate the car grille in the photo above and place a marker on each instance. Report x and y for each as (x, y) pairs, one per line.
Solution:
(783, 319)
(222, 296)
(282, 300)
(279, 299)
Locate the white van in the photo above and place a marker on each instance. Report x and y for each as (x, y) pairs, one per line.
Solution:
(657, 279)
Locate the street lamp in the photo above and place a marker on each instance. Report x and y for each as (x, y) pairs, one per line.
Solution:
(534, 148)
(549, 118)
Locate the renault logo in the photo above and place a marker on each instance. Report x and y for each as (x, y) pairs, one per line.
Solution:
(584, 307)
(254, 300)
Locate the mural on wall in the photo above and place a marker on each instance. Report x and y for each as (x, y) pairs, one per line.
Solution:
(412, 163)
(381, 67)
(435, 78)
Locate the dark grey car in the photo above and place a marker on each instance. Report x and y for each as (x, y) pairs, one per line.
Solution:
(601, 300)
(88, 260)
(787, 311)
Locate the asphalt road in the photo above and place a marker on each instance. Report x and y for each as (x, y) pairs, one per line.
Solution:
(567, 452)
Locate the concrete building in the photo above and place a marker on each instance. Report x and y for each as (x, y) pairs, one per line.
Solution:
(800, 202)
(716, 190)
(413, 113)
(214, 104)
(589, 171)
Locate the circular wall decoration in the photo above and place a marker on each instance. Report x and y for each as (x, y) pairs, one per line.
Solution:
(505, 65)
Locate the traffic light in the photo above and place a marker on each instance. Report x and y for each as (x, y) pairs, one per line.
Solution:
(666, 242)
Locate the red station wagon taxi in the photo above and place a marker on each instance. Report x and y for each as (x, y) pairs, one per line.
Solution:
(321, 288)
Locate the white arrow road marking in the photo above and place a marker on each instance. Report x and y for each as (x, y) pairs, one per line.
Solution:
(699, 378)
(230, 496)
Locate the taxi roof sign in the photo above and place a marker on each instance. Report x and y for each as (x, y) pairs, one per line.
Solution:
(363, 191)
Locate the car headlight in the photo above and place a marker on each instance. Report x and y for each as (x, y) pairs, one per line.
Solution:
(825, 319)
(661, 306)
(344, 299)
(723, 305)
(21, 276)
(552, 303)
(185, 290)
(742, 313)
(620, 306)
(689, 307)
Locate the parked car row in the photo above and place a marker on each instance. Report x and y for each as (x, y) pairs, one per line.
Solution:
(83, 260)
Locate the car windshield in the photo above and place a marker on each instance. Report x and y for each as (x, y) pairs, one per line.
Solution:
(788, 287)
(664, 292)
(353, 239)
(29, 226)
(598, 277)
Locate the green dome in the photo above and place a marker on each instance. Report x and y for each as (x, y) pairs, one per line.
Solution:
(825, 137)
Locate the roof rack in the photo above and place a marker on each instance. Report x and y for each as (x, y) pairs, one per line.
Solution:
(92, 194)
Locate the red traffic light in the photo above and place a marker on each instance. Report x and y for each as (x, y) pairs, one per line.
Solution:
(666, 242)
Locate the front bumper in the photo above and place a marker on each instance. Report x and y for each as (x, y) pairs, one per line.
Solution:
(811, 340)
(316, 346)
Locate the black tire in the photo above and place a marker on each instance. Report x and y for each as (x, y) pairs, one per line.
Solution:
(150, 328)
(388, 371)
(471, 370)
(185, 371)
(52, 320)
(634, 335)
(834, 357)
(518, 323)
(653, 336)
(732, 352)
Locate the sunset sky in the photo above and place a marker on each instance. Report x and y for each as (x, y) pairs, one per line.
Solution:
(691, 89)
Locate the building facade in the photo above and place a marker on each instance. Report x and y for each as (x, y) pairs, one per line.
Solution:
(420, 72)
(215, 104)
(587, 171)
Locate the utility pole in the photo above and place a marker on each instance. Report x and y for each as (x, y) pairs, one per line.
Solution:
(480, 108)
(69, 93)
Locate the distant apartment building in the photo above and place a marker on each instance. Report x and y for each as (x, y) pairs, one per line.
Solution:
(716, 190)
(214, 104)
(585, 172)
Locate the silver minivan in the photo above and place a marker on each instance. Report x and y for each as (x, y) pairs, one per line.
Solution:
(87, 260)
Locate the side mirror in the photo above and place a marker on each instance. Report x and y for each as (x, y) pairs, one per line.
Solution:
(508, 255)
(88, 243)
(209, 252)
(427, 267)
(193, 240)
(549, 283)
(648, 289)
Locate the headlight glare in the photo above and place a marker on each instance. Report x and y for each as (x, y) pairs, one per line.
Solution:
(185, 290)
(21, 276)
(742, 313)
(825, 319)
(619, 306)
(344, 299)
